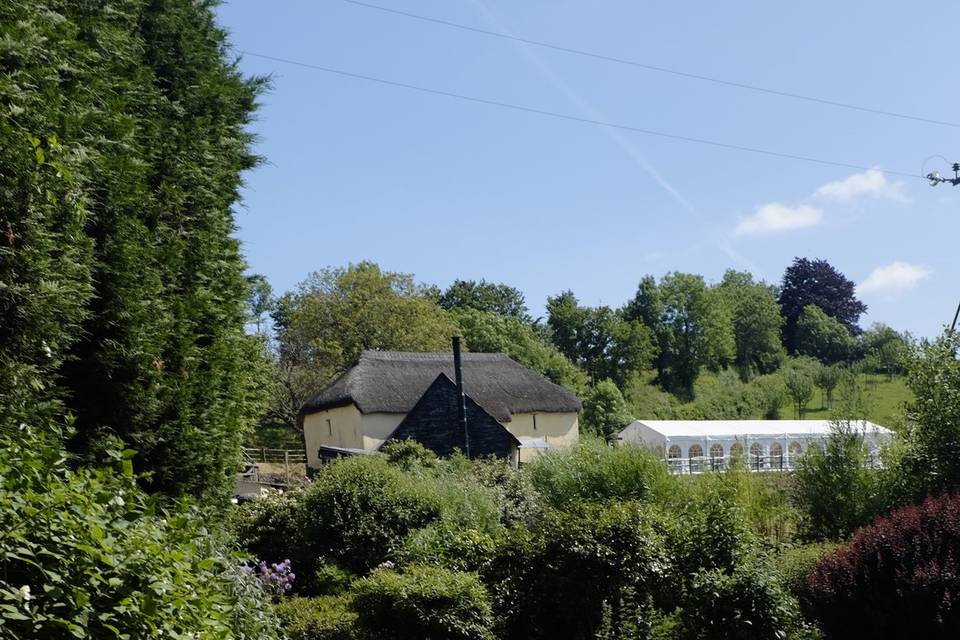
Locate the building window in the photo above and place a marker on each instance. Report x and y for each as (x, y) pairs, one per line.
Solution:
(776, 455)
(716, 450)
(673, 451)
(329, 427)
(696, 451)
(795, 449)
(534, 422)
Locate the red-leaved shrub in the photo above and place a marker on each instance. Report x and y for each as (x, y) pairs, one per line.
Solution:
(898, 578)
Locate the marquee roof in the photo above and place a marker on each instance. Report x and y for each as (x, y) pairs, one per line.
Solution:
(670, 429)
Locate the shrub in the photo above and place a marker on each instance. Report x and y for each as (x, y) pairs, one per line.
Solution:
(834, 491)
(85, 554)
(578, 572)
(795, 564)
(897, 578)
(270, 528)
(422, 602)
(323, 618)
(595, 472)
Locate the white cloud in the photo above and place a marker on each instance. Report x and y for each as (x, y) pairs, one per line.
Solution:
(774, 217)
(893, 279)
(871, 183)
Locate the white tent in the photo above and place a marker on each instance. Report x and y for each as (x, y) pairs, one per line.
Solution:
(690, 446)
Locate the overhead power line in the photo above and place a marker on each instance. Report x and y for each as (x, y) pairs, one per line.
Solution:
(651, 67)
(573, 118)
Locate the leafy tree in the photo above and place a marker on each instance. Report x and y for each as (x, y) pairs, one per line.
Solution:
(485, 296)
(889, 349)
(756, 323)
(931, 463)
(600, 340)
(835, 490)
(816, 282)
(487, 332)
(604, 410)
(693, 328)
(827, 378)
(772, 391)
(336, 314)
(799, 376)
(820, 336)
(122, 284)
(260, 302)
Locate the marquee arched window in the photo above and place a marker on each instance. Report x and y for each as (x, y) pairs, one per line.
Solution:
(776, 450)
(795, 449)
(695, 451)
(736, 449)
(674, 451)
(716, 450)
(756, 455)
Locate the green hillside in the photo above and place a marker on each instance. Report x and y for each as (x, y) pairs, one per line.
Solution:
(886, 401)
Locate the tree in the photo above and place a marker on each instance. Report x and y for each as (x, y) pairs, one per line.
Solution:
(692, 326)
(260, 302)
(816, 282)
(886, 347)
(756, 323)
(599, 339)
(827, 378)
(820, 336)
(798, 376)
(487, 332)
(121, 279)
(604, 410)
(336, 314)
(485, 296)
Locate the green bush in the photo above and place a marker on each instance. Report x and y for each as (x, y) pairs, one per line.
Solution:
(594, 472)
(422, 602)
(323, 618)
(794, 565)
(85, 554)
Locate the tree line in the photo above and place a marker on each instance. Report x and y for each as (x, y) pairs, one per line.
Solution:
(681, 347)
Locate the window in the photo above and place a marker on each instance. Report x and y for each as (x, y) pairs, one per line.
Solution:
(716, 450)
(756, 455)
(696, 451)
(534, 422)
(795, 449)
(329, 427)
(776, 450)
(673, 451)
(736, 450)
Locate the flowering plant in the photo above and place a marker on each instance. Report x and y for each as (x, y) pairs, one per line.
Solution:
(276, 579)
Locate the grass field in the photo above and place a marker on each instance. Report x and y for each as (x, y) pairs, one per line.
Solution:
(886, 402)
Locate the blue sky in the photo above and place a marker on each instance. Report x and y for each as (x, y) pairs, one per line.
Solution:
(444, 188)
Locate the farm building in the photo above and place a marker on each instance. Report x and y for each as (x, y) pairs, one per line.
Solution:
(690, 446)
(512, 412)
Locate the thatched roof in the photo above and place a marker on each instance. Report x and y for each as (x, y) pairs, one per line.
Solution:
(434, 423)
(393, 382)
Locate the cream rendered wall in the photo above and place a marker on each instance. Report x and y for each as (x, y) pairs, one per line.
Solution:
(343, 431)
(377, 427)
(557, 429)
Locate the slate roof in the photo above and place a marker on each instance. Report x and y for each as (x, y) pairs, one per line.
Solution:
(393, 382)
(434, 423)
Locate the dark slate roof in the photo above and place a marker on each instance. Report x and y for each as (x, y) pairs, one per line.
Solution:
(393, 381)
(434, 423)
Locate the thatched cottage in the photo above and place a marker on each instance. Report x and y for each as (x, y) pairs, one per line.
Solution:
(510, 411)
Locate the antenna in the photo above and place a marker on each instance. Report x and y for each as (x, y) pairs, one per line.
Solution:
(935, 178)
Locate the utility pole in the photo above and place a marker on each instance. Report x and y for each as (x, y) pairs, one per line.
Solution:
(935, 178)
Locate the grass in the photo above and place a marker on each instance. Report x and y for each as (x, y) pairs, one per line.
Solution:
(886, 402)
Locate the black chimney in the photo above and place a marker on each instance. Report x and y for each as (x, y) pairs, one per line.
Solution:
(461, 397)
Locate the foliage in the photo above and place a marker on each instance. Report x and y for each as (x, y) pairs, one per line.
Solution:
(276, 578)
(487, 297)
(756, 320)
(931, 462)
(887, 350)
(721, 396)
(323, 618)
(772, 392)
(896, 579)
(796, 563)
(123, 291)
(422, 602)
(822, 337)
(336, 314)
(816, 282)
(604, 411)
(798, 377)
(270, 528)
(486, 332)
(562, 579)
(600, 340)
(647, 401)
(84, 553)
(592, 471)
(692, 326)
(836, 492)
(827, 378)
(260, 302)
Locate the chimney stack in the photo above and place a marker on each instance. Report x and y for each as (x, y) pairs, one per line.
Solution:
(461, 397)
